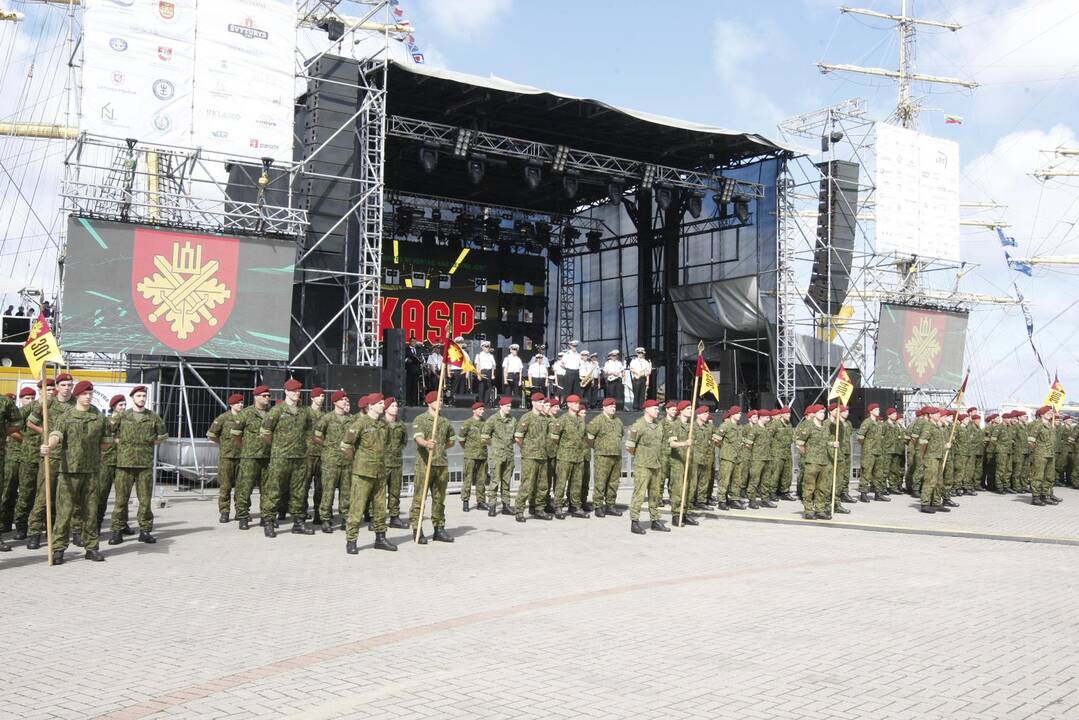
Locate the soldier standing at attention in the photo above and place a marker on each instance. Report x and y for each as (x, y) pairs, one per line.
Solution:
(604, 436)
(892, 447)
(871, 438)
(254, 459)
(28, 467)
(678, 442)
(759, 452)
(137, 432)
(228, 453)
(470, 437)
(586, 463)
(498, 433)
(568, 434)
(846, 460)
(78, 434)
(978, 442)
(835, 411)
(645, 444)
(367, 434)
(312, 476)
(334, 467)
(431, 446)
(106, 473)
(668, 420)
(13, 461)
(728, 438)
(544, 497)
(531, 436)
(992, 429)
(1042, 465)
(396, 437)
(817, 449)
(1021, 448)
(58, 404)
(931, 445)
(284, 429)
(782, 438)
(1003, 443)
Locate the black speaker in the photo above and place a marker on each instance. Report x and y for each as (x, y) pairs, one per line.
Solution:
(864, 397)
(393, 363)
(354, 380)
(463, 400)
(836, 226)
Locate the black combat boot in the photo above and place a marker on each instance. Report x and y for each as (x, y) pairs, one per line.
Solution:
(948, 502)
(115, 538)
(281, 514)
(298, 528)
(520, 517)
(269, 529)
(381, 543)
(636, 528)
(464, 505)
(441, 535)
(224, 518)
(577, 513)
(483, 506)
(599, 511)
(397, 523)
(941, 508)
(660, 526)
(883, 497)
(787, 496)
(845, 497)
(927, 509)
(543, 515)
(94, 556)
(841, 510)
(350, 547)
(327, 527)
(1054, 498)
(4, 547)
(423, 538)
(723, 506)
(738, 505)
(681, 520)
(33, 542)
(507, 510)
(768, 504)
(76, 539)
(58, 557)
(20, 532)
(862, 497)
(146, 537)
(492, 510)
(245, 523)
(559, 514)
(1037, 500)
(127, 529)
(587, 506)
(806, 515)
(754, 505)
(612, 510)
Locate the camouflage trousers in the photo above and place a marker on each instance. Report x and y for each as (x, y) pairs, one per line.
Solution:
(780, 471)
(568, 484)
(227, 471)
(816, 487)
(475, 473)
(758, 480)
(37, 514)
(932, 482)
(870, 479)
(27, 494)
(393, 490)
(533, 487)
(252, 473)
(335, 478)
(1041, 476)
(287, 484)
(741, 479)
(440, 477)
(364, 490)
(646, 482)
(608, 469)
(501, 475)
(313, 473)
(142, 480)
(728, 488)
(9, 493)
(103, 478)
(76, 496)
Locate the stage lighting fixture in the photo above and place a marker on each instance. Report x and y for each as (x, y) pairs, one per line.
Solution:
(533, 174)
(649, 177)
(477, 168)
(561, 154)
(403, 222)
(615, 188)
(334, 28)
(526, 229)
(436, 215)
(836, 136)
(664, 196)
(592, 238)
(569, 235)
(543, 232)
(824, 144)
(695, 203)
(461, 144)
(570, 186)
(741, 208)
(491, 228)
(726, 191)
(554, 254)
(466, 227)
(428, 158)
(454, 243)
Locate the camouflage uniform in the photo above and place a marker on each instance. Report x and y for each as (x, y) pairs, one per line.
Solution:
(228, 453)
(729, 436)
(312, 473)
(254, 460)
(646, 440)
(335, 468)
(470, 436)
(605, 438)
(532, 430)
(136, 434)
(30, 458)
(12, 459)
(814, 447)
(1042, 464)
(1021, 440)
(106, 476)
(568, 434)
(871, 437)
(424, 427)
(679, 433)
(915, 468)
(760, 450)
(366, 438)
(56, 411)
(397, 436)
(80, 434)
(498, 435)
(286, 427)
(782, 437)
(1005, 439)
(931, 439)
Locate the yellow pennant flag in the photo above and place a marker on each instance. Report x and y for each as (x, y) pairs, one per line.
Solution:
(1056, 395)
(842, 388)
(40, 346)
(457, 357)
(708, 384)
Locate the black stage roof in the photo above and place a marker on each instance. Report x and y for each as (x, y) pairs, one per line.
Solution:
(501, 107)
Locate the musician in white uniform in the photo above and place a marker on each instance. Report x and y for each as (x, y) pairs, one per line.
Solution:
(558, 381)
(434, 363)
(612, 378)
(537, 373)
(512, 366)
(571, 361)
(640, 371)
(485, 365)
(589, 378)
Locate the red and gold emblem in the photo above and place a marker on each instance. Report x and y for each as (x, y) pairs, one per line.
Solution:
(167, 10)
(922, 344)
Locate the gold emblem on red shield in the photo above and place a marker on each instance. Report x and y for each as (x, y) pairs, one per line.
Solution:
(167, 10)
(923, 345)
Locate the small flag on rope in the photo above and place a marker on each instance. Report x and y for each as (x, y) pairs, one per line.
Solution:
(1056, 395)
(842, 388)
(708, 385)
(953, 120)
(40, 346)
(1019, 266)
(1006, 240)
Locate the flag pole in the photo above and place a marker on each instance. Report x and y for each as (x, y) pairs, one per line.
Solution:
(835, 454)
(689, 448)
(431, 452)
(955, 421)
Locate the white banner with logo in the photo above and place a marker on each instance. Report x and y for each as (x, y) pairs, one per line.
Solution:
(138, 69)
(215, 74)
(103, 392)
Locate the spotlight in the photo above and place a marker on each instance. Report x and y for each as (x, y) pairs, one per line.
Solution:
(554, 254)
(726, 191)
(664, 196)
(543, 232)
(533, 174)
(569, 186)
(477, 168)
(561, 154)
(592, 240)
(615, 188)
(466, 226)
(648, 177)
(741, 208)
(436, 215)
(334, 28)
(491, 228)
(460, 145)
(403, 220)
(526, 229)
(569, 235)
(428, 157)
(836, 136)
(695, 203)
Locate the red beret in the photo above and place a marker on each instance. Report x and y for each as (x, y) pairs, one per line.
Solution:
(683, 405)
(892, 411)
(235, 398)
(539, 397)
(505, 401)
(64, 377)
(753, 413)
(389, 400)
(338, 395)
(261, 390)
(971, 410)
(702, 410)
(375, 398)
(873, 406)
(814, 409)
(365, 400)
(431, 397)
(293, 384)
(317, 392)
(115, 399)
(991, 417)
(554, 402)
(734, 409)
(573, 398)
(82, 386)
(49, 382)
(931, 410)
(649, 404)
(961, 417)
(28, 391)
(477, 405)
(607, 402)
(137, 388)
(833, 406)
(1042, 410)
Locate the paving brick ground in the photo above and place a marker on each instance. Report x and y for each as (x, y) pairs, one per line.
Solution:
(570, 619)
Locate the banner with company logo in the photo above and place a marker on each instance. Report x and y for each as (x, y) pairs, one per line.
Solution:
(139, 65)
(244, 77)
(146, 290)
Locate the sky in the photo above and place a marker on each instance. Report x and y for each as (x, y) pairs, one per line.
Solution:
(718, 62)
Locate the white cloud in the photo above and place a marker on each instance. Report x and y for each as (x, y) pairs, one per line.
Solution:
(460, 18)
(736, 50)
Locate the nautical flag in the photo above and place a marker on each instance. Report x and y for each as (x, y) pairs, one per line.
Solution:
(953, 120)
(456, 357)
(1056, 395)
(842, 388)
(1005, 240)
(40, 346)
(1019, 266)
(708, 384)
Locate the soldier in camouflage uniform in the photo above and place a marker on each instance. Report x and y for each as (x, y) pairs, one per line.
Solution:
(1065, 432)
(314, 454)
(334, 467)
(816, 449)
(644, 442)
(760, 452)
(397, 437)
(586, 464)
(228, 454)
(604, 435)
(254, 457)
(106, 472)
(932, 443)
(780, 466)
(728, 438)
(1005, 441)
(431, 445)
(846, 456)
(285, 429)
(470, 437)
(679, 442)
(835, 477)
(137, 431)
(1073, 450)
(364, 443)
(78, 434)
(668, 419)
(531, 435)
(544, 498)
(990, 434)
(965, 439)
(28, 466)
(568, 435)
(915, 471)
(1020, 451)
(57, 406)
(13, 459)
(498, 433)
(870, 436)
(1042, 461)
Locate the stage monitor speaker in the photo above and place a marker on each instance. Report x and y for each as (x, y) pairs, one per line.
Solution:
(463, 400)
(393, 363)
(836, 226)
(355, 381)
(864, 397)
